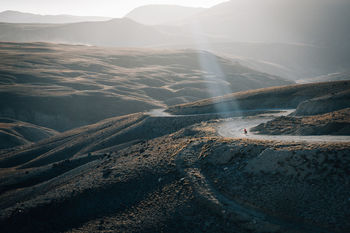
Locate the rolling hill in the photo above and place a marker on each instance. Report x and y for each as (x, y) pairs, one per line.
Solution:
(16, 133)
(115, 32)
(144, 173)
(308, 99)
(64, 86)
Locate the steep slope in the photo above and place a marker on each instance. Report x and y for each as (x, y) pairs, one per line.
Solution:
(22, 17)
(162, 14)
(63, 87)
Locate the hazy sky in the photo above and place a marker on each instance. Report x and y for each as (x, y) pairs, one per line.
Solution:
(112, 8)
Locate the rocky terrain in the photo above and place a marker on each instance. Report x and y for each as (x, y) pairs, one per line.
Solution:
(154, 172)
(64, 86)
(333, 123)
(140, 173)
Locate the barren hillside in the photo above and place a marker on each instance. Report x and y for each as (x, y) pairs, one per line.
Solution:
(139, 173)
(65, 86)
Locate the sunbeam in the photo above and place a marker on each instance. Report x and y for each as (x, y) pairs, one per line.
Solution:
(215, 79)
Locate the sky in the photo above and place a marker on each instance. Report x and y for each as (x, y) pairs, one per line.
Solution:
(110, 8)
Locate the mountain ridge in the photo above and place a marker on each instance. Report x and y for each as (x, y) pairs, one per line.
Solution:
(11, 16)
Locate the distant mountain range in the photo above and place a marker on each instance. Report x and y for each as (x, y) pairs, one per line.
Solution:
(116, 32)
(315, 22)
(293, 39)
(319, 23)
(21, 17)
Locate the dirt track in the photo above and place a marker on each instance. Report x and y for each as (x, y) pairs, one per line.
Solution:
(233, 127)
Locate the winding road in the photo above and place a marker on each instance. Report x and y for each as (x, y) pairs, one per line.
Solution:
(233, 127)
(207, 194)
